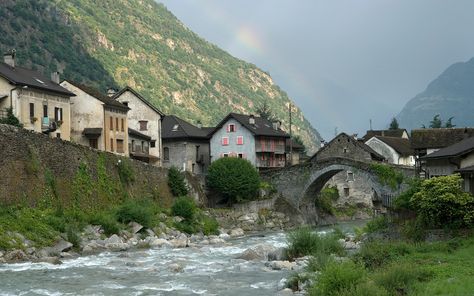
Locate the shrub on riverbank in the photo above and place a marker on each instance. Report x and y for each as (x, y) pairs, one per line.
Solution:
(303, 241)
(176, 182)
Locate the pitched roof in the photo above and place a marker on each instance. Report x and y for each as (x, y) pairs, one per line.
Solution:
(99, 96)
(262, 127)
(24, 77)
(137, 134)
(460, 148)
(174, 127)
(397, 133)
(401, 145)
(127, 88)
(438, 137)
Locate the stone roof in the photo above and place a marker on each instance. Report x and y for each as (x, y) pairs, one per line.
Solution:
(401, 145)
(174, 127)
(262, 127)
(109, 102)
(458, 149)
(438, 137)
(137, 134)
(24, 77)
(127, 88)
(397, 133)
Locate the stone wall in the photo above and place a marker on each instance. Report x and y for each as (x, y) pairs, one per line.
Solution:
(30, 162)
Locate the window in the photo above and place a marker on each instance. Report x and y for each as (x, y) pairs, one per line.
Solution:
(143, 125)
(32, 110)
(350, 176)
(133, 145)
(111, 124)
(241, 155)
(166, 153)
(143, 146)
(58, 135)
(93, 143)
(345, 150)
(226, 155)
(346, 191)
(125, 103)
(120, 146)
(45, 110)
(116, 124)
(225, 141)
(112, 145)
(58, 114)
(153, 143)
(240, 140)
(122, 125)
(231, 128)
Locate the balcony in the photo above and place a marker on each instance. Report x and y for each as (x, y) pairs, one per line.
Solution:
(48, 126)
(268, 147)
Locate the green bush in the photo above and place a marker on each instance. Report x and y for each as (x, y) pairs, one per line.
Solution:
(303, 241)
(176, 182)
(210, 226)
(403, 201)
(374, 254)
(387, 175)
(441, 201)
(73, 236)
(325, 199)
(107, 221)
(184, 207)
(413, 230)
(235, 178)
(377, 224)
(125, 171)
(11, 119)
(398, 278)
(318, 261)
(338, 278)
(186, 227)
(366, 288)
(140, 211)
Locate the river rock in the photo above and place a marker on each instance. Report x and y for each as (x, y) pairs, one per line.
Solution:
(285, 292)
(50, 260)
(65, 255)
(159, 243)
(224, 236)
(175, 267)
(236, 232)
(179, 242)
(277, 254)
(177, 219)
(15, 255)
(279, 265)
(216, 240)
(1, 254)
(135, 227)
(150, 232)
(250, 255)
(62, 246)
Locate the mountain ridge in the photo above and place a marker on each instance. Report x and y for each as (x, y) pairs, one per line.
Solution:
(139, 43)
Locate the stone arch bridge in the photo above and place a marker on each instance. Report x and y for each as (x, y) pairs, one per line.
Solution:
(300, 184)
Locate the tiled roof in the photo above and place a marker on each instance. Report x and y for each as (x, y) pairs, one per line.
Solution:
(438, 137)
(24, 77)
(127, 88)
(137, 134)
(101, 97)
(397, 133)
(401, 145)
(174, 127)
(460, 148)
(262, 127)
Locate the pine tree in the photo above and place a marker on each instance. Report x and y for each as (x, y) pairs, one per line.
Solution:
(394, 124)
(436, 122)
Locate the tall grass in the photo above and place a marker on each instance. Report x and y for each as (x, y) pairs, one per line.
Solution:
(303, 242)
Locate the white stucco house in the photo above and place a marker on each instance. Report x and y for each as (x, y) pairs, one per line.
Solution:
(395, 150)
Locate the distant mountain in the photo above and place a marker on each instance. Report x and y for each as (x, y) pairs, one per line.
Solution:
(141, 44)
(451, 94)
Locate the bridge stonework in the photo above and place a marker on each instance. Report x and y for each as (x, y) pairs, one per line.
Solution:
(300, 184)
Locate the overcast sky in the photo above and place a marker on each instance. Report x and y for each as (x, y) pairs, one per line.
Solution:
(342, 62)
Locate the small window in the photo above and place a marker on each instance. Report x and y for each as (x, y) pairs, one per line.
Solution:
(166, 153)
(231, 128)
(350, 176)
(56, 114)
(58, 135)
(116, 123)
(345, 150)
(143, 125)
(125, 103)
(32, 110)
(225, 141)
(112, 145)
(93, 143)
(111, 124)
(45, 110)
(153, 143)
(240, 140)
(175, 127)
(122, 124)
(241, 155)
(346, 191)
(143, 146)
(133, 145)
(226, 154)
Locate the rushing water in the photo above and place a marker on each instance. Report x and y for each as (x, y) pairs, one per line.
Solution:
(207, 270)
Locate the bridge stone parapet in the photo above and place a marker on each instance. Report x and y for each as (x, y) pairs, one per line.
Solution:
(301, 184)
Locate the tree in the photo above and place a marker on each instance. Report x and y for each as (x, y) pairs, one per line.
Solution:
(297, 140)
(11, 119)
(448, 123)
(394, 124)
(264, 112)
(436, 122)
(235, 178)
(176, 182)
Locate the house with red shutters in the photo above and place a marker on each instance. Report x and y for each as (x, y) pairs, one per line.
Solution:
(256, 139)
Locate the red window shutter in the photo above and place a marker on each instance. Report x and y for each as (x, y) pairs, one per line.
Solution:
(240, 140)
(225, 141)
(228, 128)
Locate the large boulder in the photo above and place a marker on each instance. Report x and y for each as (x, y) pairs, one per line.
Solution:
(236, 232)
(259, 252)
(159, 243)
(62, 246)
(135, 227)
(15, 256)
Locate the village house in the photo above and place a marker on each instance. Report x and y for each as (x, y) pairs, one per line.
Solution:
(144, 118)
(256, 139)
(97, 120)
(428, 140)
(185, 146)
(39, 103)
(139, 145)
(395, 150)
(456, 158)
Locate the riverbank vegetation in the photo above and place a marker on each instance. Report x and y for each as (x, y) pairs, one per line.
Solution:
(426, 247)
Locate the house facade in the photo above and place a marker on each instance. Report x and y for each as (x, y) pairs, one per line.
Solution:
(185, 146)
(395, 150)
(97, 120)
(39, 103)
(139, 145)
(253, 138)
(145, 118)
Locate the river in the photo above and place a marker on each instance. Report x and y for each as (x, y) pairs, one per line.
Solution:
(207, 270)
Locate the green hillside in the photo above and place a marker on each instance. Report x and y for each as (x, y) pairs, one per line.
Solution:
(141, 44)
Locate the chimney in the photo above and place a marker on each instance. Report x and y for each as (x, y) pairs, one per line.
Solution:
(276, 125)
(252, 119)
(199, 124)
(55, 77)
(111, 92)
(9, 58)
